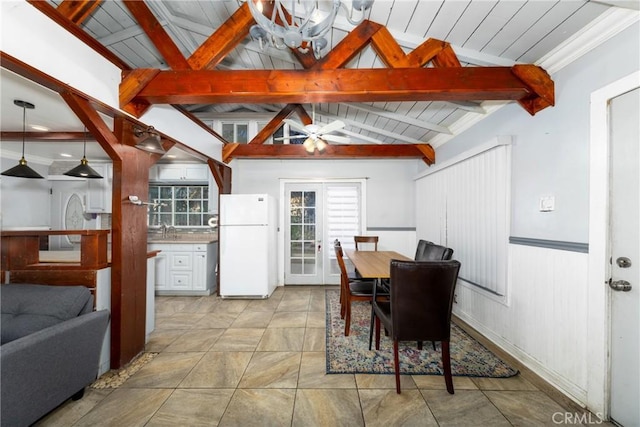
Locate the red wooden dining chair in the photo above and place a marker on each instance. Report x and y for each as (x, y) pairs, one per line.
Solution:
(419, 308)
(353, 290)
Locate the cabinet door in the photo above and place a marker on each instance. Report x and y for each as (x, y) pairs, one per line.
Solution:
(181, 261)
(99, 190)
(196, 172)
(200, 271)
(170, 172)
(161, 271)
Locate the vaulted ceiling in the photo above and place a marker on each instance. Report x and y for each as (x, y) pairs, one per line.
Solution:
(410, 74)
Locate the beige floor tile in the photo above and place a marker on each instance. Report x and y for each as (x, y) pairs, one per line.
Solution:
(282, 339)
(215, 320)
(239, 339)
(464, 408)
(232, 306)
(166, 370)
(511, 383)
(126, 407)
(313, 373)
(218, 370)
(288, 319)
(162, 338)
(197, 340)
(316, 319)
(333, 407)
(318, 300)
(315, 339)
(193, 408)
(269, 304)
(179, 321)
(265, 407)
(252, 319)
(365, 381)
(272, 370)
(527, 408)
(72, 410)
(436, 382)
(297, 304)
(386, 408)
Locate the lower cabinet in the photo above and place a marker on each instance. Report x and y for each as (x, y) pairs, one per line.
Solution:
(185, 268)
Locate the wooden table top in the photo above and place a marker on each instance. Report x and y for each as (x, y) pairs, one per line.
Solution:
(374, 264)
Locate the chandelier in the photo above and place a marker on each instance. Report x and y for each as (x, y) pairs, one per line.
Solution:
(300, 24)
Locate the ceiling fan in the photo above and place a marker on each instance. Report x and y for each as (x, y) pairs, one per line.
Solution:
(316, 136)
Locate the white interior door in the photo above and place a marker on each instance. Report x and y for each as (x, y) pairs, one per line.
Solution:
(303, 234)
(625, 258)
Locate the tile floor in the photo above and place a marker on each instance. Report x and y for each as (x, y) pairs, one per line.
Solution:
(262, 363)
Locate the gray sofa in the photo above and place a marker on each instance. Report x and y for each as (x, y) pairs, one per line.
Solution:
(51, 343)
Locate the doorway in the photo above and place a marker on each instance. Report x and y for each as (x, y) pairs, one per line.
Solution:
(316, 213)
(614, 315)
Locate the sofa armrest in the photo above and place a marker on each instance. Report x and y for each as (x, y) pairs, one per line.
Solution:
(43, 369)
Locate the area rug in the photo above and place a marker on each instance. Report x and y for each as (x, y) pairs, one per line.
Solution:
(116, 377)
(351, 355)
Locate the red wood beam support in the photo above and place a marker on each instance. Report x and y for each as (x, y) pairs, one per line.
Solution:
(78, 11)
(342, 85)
(332, 151)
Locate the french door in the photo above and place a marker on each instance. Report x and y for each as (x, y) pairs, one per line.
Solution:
(316, 214)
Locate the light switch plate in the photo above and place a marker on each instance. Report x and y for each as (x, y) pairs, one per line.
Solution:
(547, 203)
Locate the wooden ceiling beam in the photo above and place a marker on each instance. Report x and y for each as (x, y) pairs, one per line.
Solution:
(43, 136)
(77, 11)
(331, 152)
(223, 40)
(343, 85)
(158, 36)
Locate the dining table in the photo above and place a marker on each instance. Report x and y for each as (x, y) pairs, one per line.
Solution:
(373, 264)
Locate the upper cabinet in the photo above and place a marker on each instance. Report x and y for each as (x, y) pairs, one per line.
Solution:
(99, 191)
(179, 172)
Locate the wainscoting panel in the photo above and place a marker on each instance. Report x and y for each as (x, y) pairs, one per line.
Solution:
(544, 321)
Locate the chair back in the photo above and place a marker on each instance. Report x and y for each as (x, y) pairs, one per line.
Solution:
(429, 251)
(422, 299)
(343, 268)
(359, 240)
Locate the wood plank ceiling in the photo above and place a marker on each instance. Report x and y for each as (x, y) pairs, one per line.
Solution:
(404, 76)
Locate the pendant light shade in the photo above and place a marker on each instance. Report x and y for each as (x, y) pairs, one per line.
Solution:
(83, 170)
(22, 170)
(151, 143)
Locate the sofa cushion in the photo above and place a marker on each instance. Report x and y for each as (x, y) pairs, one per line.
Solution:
(30, 308)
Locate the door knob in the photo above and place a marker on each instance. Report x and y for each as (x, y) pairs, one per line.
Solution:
(620, 285)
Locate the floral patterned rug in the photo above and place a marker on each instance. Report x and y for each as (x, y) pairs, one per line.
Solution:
(351, 355)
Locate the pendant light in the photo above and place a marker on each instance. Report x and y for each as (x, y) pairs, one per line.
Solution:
(22, 170)
(83, 170)
(152, 143)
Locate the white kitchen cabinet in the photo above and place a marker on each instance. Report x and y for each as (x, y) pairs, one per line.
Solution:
(99, 191)
(180, 172)
(185, 268)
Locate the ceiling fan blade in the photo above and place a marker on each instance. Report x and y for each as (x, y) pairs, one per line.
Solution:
(336, 138)
(286, 138)
(297, 126)
(335, 125)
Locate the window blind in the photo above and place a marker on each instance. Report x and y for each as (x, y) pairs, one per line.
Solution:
(466, 207)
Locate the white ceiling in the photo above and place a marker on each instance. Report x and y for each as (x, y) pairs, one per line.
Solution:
(481, 33)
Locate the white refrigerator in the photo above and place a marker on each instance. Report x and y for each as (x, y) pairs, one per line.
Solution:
(248, 245)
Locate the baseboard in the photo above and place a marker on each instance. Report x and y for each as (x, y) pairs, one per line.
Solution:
(532, 370)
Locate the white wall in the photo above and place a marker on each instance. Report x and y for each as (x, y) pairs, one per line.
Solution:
(544, 323)
(24, 202)
(390, 187)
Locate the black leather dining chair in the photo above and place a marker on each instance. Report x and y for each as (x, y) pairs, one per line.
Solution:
(429, 251)
(419, 308)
